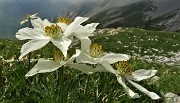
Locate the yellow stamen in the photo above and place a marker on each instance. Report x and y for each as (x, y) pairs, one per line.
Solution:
(67, 21)
(28, 16)
(53, 31)
(124, 67)
(96, 50)
(58, 56)
(1, 62)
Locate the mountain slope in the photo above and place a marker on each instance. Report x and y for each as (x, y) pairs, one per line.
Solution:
(134, 15)
(149, 14)
(169, 22)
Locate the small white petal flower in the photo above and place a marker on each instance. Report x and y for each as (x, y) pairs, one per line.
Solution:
(93, 54)
(59, 34)
(138, 75)
(29, 17)
(44, 65)
(171, 98)
(122, 77)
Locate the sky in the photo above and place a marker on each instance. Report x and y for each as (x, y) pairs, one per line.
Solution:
(13, 11)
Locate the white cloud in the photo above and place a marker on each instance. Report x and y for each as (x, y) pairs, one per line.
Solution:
(82, 1)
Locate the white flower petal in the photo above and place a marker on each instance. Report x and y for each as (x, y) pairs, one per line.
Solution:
(34, 16)
(100, 68)
(171, 98)
(26, 33)
(74, 25)
(73, 57)
(41, 34)
(83, 68)
(29, 33)
(142, 74)
(37, 23)
(63, 26)
(85, 58)
(84, 31)
(121, 81)
(46, 23)
(170, 95)
(143, 90)
(24, 21)
(62, 44)
(43, 66)
(32, 45)
(85, 45)
(108, 67)
(112, 57)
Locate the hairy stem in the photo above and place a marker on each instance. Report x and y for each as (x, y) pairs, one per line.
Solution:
(86, 89)
(62, 94)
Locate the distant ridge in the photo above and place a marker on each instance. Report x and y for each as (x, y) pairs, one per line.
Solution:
(148, 14)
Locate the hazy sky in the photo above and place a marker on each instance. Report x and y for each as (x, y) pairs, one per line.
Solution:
(13, 11)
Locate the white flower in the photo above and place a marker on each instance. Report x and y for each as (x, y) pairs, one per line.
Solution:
(44, 65)
(29, 16)
(123, 74)
(136, 76)
(60, 34)
(93, 54)
(79, 31)
(172, 98)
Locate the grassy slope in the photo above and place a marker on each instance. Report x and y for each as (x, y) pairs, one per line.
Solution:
(132, 40)
(103, 87)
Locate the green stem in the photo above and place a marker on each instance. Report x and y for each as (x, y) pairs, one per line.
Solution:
(29, 55)
(110, 97)
(1, 79)
(29, 61)
(86, 90)
(62, 94)
(104, 77)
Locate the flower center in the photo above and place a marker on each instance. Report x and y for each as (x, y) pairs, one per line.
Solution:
(96, 50)
(124, 67)
(1, 62)
(67, 21)
(58, 56)
(53, 31)
(28, 16)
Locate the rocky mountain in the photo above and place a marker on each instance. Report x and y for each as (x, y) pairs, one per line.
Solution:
(149, 14)
(168, 22)
(134, 15)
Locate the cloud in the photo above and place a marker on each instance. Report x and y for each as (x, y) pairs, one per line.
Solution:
(120, 3)
(82, 1)
(111, 2)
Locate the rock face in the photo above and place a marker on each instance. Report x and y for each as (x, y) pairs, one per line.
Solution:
(169, 22)
(149, 14)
